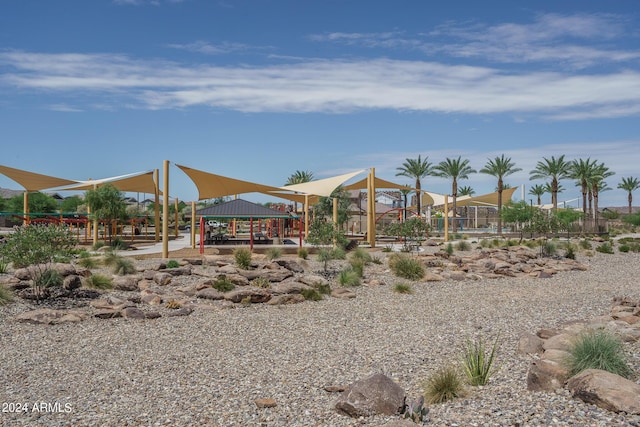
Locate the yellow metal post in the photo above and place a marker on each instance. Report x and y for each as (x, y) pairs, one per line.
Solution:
(156, 180)
(193, 225)
(335, 220)
(25, 208)
(372, 207)
(446, 218)
(306, 216)
(176, 217)
(165, 211)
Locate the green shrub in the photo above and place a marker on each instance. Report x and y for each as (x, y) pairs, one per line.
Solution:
(376, 260)
(48, 278)
(273, 253)
(6, 296)
(361, 254)
(37, 244)
(311, 294)
(387, 248)
(357, 265)
(402, 288)
(119, 244)
(550, 248)
(223, 284)
(570, 252)
(99, 244)
(484, 243)
(261, 282)
(444, 385)
(99, 281)
(449, 249)
(123, 266)
(597, 350)
(348, 278)
(478, 362)
(324, 256)
(303, 253)
(110, 257)
(4, 266)
(86, 260)
(531, 244)
(406, 267)
(242, 256)
(585, 244)
(173, 264)
(624, 248)
(323, 288)
(463, 245)
(605, 248)
(338, 253)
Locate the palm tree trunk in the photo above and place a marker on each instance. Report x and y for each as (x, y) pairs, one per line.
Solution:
(418, 204)
(630, 203)
(500, 210)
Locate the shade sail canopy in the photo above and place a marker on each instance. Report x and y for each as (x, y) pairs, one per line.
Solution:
(321, 187)
(32, 181)
(242, 209)
(379, 183)
(140, 182)
(489, 199)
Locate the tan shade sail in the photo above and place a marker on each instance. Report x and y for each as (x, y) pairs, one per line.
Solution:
(379, 183)
(489, 199)
(32, 181)
(321, 187)
(211, 186)
(138, 182)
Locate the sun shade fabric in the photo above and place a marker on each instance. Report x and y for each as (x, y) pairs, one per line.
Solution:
(489, 199)
(32, 181)
(240, 208)
(378, 183)
(140, 182)
(322, 187)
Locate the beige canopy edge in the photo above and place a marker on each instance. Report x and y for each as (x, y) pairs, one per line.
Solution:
(32, 181)
(140, 182)
(488, 199)
(379, 183)
(322, 187)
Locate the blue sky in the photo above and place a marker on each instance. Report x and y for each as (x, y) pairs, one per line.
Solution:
(256, 90)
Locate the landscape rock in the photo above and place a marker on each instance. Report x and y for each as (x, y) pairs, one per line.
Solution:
(254, 295)
(377, 394)
(126, 283)
(342, 293)
(162, 279)
(72, 282)
(210, 293)
(606, 390)
(530, 344)
(286, 299)
(545, 375)
(133, 313)
(49, 316)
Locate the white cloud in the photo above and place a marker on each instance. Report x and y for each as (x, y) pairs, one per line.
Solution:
(207, 48)
(326, 86)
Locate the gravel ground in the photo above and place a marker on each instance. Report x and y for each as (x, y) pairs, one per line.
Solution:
(208, 368)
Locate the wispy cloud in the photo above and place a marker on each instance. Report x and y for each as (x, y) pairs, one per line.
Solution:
(326, 86)
(577, 40)
(207, 48)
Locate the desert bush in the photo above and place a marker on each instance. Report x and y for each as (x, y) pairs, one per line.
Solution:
(387, 248)
(99, 281)
(402, 288)
(119, 244)
(570, 252)
(484, 243)
(463, 245)
(605, 248)
(97, 245)
(311, 294)
(173, 304)
(323, 288)
(478, 361)
(4, 265)
(6, 296)
(242, 257)
(624, 248)
(223, 284)
(449, 249)
(348, 278)
(550, 248)
(86, 260)
(37, 244)
(357, 265)
(48, 278)
(339, 253)
(172, 263)
(445, 384)
(303, 253)
(376, 260)
(123, 266)
(597, 350)
(261, 282)
(406, 267)
(585, 244)
(273, 253)
(361, 254)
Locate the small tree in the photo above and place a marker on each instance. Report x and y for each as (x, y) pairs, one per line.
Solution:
(38, 202)
(409, 231)
(107, 204)
(518, 214)
(322, 233)
(566, 217)
(543, 223)
(38, 246)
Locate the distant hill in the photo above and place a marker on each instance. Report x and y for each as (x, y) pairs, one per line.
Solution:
(6, 193)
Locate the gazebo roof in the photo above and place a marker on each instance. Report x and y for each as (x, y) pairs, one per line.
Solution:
(240, 208)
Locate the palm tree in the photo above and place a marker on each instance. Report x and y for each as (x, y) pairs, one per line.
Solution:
(582, 170)
(629, 185)
(418, 169)
(466, 190)
(600, 173)
(299, 177)
(556, 169)
(455, 169)
(538, 191)
(499, 168)
(405, 190)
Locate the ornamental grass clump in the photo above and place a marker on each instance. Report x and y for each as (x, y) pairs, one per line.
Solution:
(123, 266)
(311, 294)
(598, 349)
(242, 257)
(223, 284)
(303, 253)
(86, 260)
(445, 384)
(99, 281)
(6, 296)
(406, 267)
(463, 245)
(605, 248)
(402, 288)
(478, 361)
(349, 278)
(173, 264)
(273, 253)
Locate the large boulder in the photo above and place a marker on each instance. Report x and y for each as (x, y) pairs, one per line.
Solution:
(49, 316)
(251, 294)
(606, 390)
(546, 375)
(377, 394)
